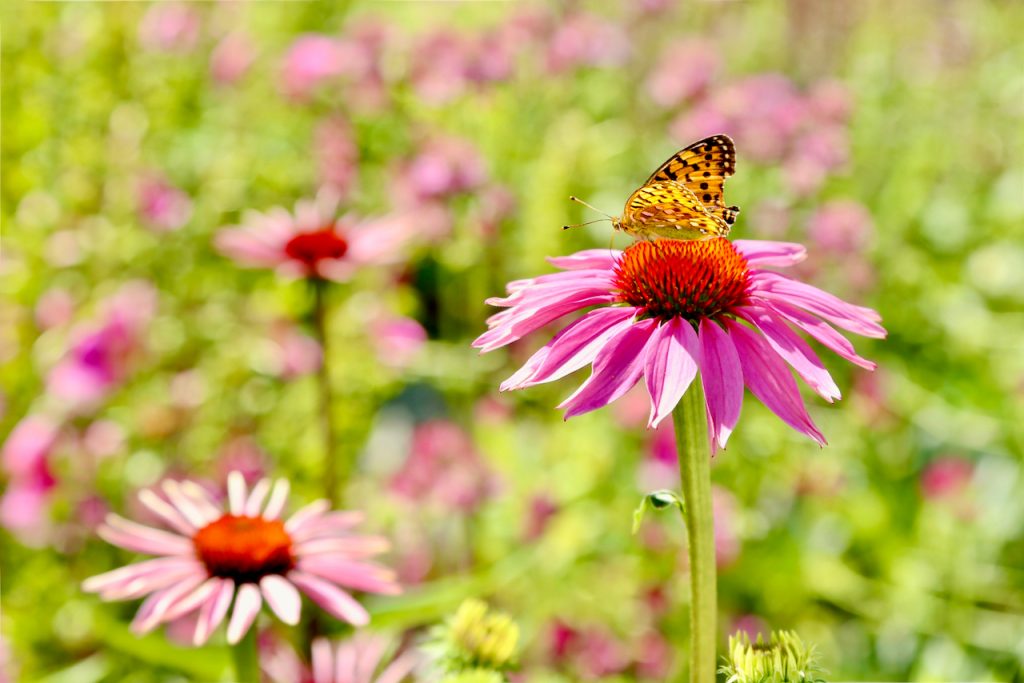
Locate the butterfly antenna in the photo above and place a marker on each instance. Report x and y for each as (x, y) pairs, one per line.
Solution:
(580, 225)
(580, 201)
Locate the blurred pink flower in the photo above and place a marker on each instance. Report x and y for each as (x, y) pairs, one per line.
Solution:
(102, 439)
(946, 477)
(232, 58)
(814, 155)
(540, 511)
(592, 653)
(442, 167)
(161, 206)
(444, 467)
(246, 555)
(311, 242)
(439, 65)
(841, 227)
(586, 40)
(54, 308)
(242, 454)
(361, 658)
(314, 59)
(26, 453)
(669, 308)
(293, 352)
(29, 445)
(169, 27)
(398, 339)
(495, 203)
(654, 657)
(337, 155)
(100, 356)
(24, 508)
(685, 69)
(831, 101)
(751, 624)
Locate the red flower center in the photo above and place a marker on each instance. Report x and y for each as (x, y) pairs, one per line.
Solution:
(244, 548)
(690, 279)
(311, 247)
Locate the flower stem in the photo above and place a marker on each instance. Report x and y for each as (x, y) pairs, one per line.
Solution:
(332, 478)
(247, 658)
(694, 450)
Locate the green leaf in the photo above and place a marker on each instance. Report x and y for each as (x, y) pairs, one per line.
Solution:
(656, 500)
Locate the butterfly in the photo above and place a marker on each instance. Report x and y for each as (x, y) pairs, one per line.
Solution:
(684, 198)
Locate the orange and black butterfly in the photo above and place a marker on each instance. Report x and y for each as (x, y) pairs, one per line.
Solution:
(684, 199)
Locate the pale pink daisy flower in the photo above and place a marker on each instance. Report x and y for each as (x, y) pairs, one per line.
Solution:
(245, 555)
(363, 658)
(668, 309)
(312, 242)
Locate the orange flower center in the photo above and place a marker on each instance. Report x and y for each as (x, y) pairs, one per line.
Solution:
(690, 279)
(311, 247)
(244, 548)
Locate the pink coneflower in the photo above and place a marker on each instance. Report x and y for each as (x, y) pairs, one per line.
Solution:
(363, 658)
(312, 241)
(247, 554)
(665, 310)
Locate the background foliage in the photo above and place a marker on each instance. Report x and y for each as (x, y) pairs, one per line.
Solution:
(886, 136)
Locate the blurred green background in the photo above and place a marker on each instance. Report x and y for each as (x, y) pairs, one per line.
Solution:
(888, 137)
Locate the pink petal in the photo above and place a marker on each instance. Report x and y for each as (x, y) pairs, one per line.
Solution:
(256, 497)
(527, 320)
(323, 661)
(617, 367)
(153, 608)
(770, 381)
(793, 350)
(213, 611)
(820, 330)
(588, 258)
(247, 606)
(193, 512)
(670, 366)
(399, 669)
(124, 576)
(192, 601)
(856, 319)
(237, 493)
(722, 379)
(282, 597)
(330, 524)
(574, 347)
(142, 539)
(332, 599)
(356, 575)
(767, 253)
(166, 512)
(278, 497)
(305, 515)
(353, 547)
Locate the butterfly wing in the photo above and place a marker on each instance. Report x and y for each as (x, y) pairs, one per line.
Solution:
(702, 168)
(669, 210)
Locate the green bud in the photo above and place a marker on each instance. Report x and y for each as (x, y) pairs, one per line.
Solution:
(476, 640)
(783, 659)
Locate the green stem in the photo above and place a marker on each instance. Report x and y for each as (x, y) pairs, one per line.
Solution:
(694, 450)
(332, 477)
(247, 658)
